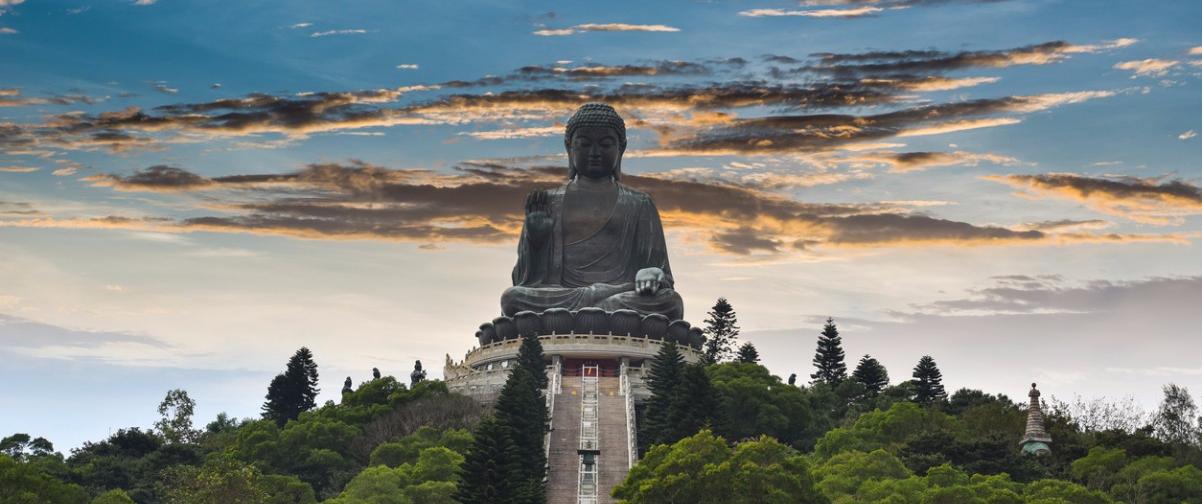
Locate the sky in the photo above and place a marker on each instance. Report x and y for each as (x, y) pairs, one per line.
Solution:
(190, 191)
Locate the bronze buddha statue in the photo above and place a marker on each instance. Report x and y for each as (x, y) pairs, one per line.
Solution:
(592, 241)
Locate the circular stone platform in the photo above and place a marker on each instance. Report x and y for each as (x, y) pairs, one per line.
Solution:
(592, 334)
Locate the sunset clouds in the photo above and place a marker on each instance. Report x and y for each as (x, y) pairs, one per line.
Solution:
(481, 203)
(1150, 201)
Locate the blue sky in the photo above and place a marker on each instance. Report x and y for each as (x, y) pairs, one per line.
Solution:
(189, 191)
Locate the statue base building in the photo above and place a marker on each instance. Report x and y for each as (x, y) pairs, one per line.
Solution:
(597, 365)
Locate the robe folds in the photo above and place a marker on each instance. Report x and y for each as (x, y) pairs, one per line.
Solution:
(597, 270)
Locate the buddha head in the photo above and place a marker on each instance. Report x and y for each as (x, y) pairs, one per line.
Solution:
(595, 139)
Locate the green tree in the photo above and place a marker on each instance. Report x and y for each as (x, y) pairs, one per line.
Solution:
(663, 379)
(1050, 491)
(22, 483)
(294, 391)
(828, 359)
(703, 469)
(753, 402)
(492, 467)
(840, 477)
(114, 496)
(693, 403)
(221, 479)
(1176, 419)
(530, 356)
(406, 450)
(1098, 469)
(176, 423)
(748, 354)
(928, 382)
(521, 410)
(432, 479)
(872, 375)
(1183, 484)
(721, 331)
(21, 446)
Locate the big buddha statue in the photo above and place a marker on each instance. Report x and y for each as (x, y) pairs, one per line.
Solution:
(592, 241)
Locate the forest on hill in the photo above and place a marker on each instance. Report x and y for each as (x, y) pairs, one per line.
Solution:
(722, 431)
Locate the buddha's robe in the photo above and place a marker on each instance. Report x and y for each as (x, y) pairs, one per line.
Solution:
(597, 270)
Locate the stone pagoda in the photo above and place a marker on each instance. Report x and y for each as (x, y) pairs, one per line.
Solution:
(1036, 440)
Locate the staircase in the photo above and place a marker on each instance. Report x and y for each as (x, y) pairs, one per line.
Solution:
(614, 461)
(564, 459)
(581, 470)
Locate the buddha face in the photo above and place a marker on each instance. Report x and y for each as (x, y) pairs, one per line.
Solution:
(595, 152)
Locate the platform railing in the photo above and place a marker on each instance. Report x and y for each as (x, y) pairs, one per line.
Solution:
(586, 489)
(553, 389)
(588, 409)
(632, 443)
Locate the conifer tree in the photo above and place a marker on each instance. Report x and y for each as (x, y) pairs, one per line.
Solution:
(829, 356)
(721, 331)
(530, 356)
(294, 391)
(870, 373)
(748, 354)
(928, 382)
(521, 410)
(491, 467)
(662, 381)
(693, 403)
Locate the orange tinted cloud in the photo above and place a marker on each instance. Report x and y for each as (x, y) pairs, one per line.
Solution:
(1149, 201)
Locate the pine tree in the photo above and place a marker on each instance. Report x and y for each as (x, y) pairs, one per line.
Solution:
(829, 357)
(662, 381)
(721, 331)
(748, 354)
(294, 391)
(693, 403)
(530, 356)
(870, 373)
(491, 467)
(928, 382)
(521, 410)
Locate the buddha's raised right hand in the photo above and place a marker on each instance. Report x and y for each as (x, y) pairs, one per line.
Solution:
(538, 215)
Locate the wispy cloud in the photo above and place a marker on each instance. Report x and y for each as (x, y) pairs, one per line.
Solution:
(4, 30)
(1186, 135)
(11, 97)
(512, 133)
(407, 66)
(345, 31)
(298, 26)
(1150, 67)
(6, 5)
(836, 13)
(1149, 201)
(1026, 294)
(604, 27)
(18, 169)
(162, 87)
(145, 2)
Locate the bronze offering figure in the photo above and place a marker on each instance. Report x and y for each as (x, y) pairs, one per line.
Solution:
(593, 242)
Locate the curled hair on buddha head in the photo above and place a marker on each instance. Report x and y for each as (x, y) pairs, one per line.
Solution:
(596, 114)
